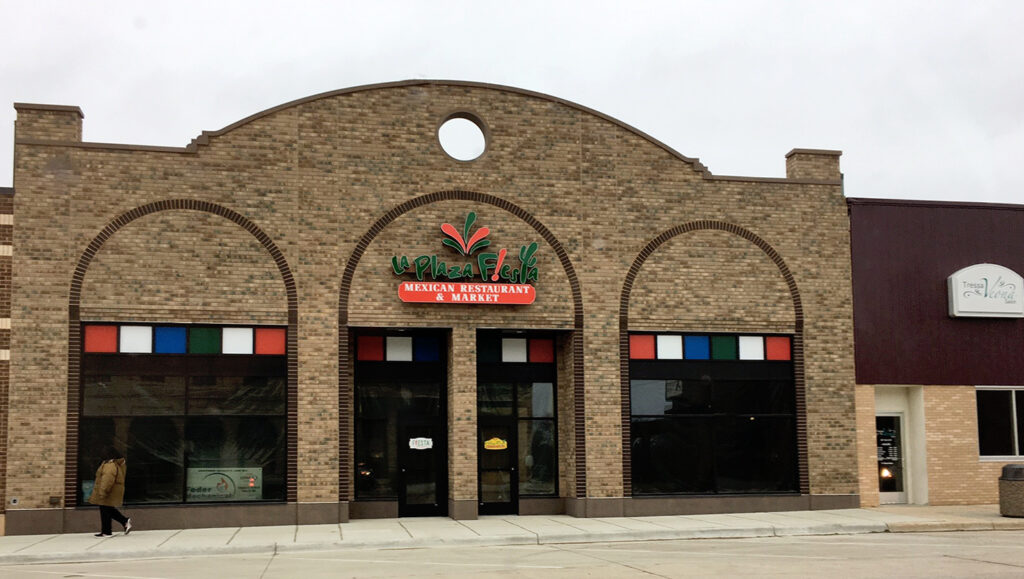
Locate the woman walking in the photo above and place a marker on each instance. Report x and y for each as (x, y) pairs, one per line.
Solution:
(108, 493)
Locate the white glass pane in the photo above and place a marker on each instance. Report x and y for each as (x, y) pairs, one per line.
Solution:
(751, 348)
(137, 339)
(670, 347)
(237, 341)
(399, 349)
(513, 349)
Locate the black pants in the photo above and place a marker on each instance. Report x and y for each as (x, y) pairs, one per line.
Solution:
(108, 513)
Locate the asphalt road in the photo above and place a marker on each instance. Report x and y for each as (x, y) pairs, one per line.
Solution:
(953, 554)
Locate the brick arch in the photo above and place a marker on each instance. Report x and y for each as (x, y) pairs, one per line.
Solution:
(344, 364)
(798, 339)
(75, 338)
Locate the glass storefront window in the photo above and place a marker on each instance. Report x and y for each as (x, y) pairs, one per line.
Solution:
(536, 400)
(193, 428)
(537, 457)
(708, 424)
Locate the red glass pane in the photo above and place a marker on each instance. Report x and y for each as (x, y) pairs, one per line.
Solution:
(101, 338)
(542, 351)
(270, 341)
(370, 348)
(641, 347)
(777, 348)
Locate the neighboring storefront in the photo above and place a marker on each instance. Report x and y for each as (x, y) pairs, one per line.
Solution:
(318, 313)
(939, 325)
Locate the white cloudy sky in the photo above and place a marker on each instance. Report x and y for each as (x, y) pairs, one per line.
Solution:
(925, 99)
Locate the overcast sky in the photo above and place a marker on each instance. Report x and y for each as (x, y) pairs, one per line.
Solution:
(925, 99)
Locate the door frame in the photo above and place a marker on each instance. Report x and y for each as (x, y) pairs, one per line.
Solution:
(900, 497)
(512, 507)
(440, 459)
(410, 373)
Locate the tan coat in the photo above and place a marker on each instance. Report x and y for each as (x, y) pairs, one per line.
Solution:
(108, 489)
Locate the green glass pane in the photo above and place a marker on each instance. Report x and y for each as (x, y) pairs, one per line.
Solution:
(723, 348)
(204, 341)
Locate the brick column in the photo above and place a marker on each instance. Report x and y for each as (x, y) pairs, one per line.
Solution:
(462, 466)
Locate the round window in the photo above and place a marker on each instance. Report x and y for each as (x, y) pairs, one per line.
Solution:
(462, 137)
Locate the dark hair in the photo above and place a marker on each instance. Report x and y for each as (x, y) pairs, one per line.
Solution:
(109, 452)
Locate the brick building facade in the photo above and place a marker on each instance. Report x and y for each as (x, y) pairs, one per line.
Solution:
(664, 295)
(937, 389)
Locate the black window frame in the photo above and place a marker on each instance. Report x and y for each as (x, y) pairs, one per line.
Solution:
(987, 433)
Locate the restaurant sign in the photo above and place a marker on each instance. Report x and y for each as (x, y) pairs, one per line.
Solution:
(986, 290)
(489, 279)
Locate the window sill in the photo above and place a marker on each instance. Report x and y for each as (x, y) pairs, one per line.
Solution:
(1001, 459)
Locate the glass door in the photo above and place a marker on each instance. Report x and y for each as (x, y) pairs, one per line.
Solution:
(420, 470)
(401, 421)
(891, 478)
(497, 458)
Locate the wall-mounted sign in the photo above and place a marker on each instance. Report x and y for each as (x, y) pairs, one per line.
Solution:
(986, 290)
(421, 443)
(495, 444)
(488, 280)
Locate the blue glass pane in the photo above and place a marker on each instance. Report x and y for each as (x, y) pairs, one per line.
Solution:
(697, 347)
(425, 349)
(169, 340)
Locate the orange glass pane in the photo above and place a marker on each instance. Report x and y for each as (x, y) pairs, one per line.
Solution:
(641, 347)
(270, 341)
(777, 348)
(101, 339)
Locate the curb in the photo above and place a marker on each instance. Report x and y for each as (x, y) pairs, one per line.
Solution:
(944, 526)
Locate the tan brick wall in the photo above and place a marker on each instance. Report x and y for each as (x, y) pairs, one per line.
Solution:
(956, 475)
(316, 175)
(805, 164)
(209, 270)
(867, 446)
(52, 123)
(6, 235)
(462, 434)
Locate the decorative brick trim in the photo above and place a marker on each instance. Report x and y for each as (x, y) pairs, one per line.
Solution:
(344, 363)
(798, 341)
(75, 338)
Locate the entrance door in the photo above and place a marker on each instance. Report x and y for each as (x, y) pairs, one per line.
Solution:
(891, 471)
(499, 488)
(421, 454)
(401, 421)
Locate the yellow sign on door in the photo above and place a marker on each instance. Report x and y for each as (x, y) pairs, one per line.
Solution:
(495, 444)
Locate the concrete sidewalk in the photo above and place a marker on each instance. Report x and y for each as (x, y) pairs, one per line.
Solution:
(498, 530)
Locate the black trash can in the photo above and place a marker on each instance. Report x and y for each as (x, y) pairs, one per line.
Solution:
(1011, 491)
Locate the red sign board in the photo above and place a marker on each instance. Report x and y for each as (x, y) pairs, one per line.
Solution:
(422, 292)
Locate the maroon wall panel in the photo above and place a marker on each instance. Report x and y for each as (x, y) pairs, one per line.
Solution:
(903, 251)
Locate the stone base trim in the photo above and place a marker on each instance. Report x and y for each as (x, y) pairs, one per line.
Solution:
(87, 519)
(463, 510)
(373, 509)
(654, 506)
(538, 506)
